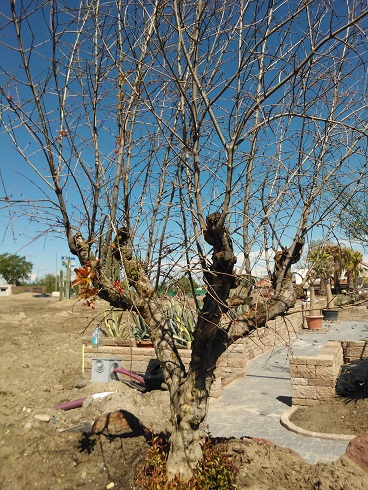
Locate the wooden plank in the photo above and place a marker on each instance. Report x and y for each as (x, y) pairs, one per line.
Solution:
(112, 341)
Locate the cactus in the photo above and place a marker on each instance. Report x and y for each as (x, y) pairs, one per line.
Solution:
(115, 325)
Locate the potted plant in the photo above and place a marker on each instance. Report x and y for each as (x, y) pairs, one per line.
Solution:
(330, 313)
(140, 332)
(115, 325)
(323, 264)
(313, 315)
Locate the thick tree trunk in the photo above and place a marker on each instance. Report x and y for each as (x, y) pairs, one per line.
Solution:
(189, 398)
(189, 404)
(350, 280)
(313, 302)
(190, 389)
(329, 296)
(188, 419)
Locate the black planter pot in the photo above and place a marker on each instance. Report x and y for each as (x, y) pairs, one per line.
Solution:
(330, 315)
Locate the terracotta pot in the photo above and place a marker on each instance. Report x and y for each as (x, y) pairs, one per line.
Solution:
(144, 343)
(314, 322)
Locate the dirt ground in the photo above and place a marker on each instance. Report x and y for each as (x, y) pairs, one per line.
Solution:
(43, 448)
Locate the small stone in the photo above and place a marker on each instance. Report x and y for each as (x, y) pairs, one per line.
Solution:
(42, 417)
(110, 485)
(88, 402)
(28, 426)
(82, 383)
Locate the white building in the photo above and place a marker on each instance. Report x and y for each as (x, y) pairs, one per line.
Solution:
(5, 289)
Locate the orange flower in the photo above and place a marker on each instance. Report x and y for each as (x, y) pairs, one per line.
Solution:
(89, 295)
(118, 286)
(84, 276)
(84, 279)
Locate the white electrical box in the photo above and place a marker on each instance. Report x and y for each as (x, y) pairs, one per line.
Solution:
(103, 369)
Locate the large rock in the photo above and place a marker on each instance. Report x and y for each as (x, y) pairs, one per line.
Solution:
(119, 423)
(357, 451)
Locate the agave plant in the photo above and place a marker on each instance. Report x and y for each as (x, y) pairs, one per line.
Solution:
(115, 325)
(236, 311)
(182, 321)
(139, 327)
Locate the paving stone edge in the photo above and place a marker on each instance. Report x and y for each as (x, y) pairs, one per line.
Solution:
(285, 422)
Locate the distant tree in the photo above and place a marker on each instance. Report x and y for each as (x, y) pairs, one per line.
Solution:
(185, 284)
(352, 265)
(330, 260)
(48, 281)
(14, 268)
(323, 267)
(353, 220)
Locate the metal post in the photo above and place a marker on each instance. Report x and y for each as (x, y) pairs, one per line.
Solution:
(56, 272)
(67, 279)
(61, 286)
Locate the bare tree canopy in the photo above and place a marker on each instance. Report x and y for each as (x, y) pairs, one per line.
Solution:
(177, 137)
(353, 217)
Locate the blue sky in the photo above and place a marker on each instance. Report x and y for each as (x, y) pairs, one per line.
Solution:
(19, 234)
(17, 237)
(17, 183)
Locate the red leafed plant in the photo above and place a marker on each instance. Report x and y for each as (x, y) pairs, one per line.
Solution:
(84, 278)
(118, 286)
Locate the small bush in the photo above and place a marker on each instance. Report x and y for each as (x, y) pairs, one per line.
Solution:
(216, 471)
(153, 474)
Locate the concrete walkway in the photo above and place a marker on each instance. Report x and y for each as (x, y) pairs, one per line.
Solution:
(253, 405)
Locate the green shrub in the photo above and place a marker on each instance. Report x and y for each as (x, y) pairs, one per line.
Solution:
(216, 470)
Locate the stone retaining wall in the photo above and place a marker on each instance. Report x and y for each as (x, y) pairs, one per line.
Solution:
(231, 365)
(354, 350)
(313, 378)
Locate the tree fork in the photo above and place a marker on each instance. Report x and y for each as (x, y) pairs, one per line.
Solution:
(189, 400)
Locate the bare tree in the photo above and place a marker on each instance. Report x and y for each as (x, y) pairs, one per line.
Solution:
(170, 136)
(353, 217)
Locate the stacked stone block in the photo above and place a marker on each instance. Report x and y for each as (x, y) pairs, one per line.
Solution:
(313, 378)
(136, 359)
(231, 365)
(354, 350)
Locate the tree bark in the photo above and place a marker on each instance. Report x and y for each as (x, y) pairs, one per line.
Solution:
(189, 395)
(190, 389)
(329, 296)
